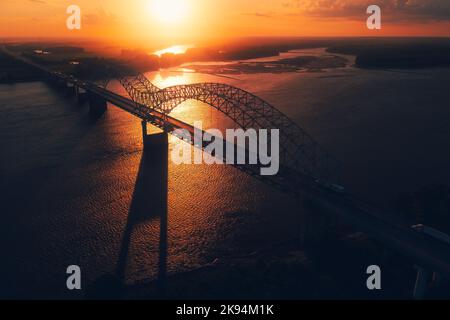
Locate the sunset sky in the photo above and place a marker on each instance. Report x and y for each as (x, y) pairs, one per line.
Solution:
(210, 19)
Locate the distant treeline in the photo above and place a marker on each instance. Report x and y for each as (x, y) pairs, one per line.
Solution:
(398, 53)
(390, 52)
(143, 61)
(238, 49)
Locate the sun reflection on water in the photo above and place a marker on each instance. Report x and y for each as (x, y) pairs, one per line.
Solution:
(172, 77)
(177, 49)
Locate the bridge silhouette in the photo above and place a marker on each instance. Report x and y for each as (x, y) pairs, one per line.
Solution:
(306, 170)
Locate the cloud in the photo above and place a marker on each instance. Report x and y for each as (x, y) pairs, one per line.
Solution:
(393, 10)
(258, 14)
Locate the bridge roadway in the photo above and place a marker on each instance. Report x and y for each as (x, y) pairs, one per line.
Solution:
(379, 224)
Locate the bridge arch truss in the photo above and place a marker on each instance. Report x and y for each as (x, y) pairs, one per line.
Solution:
(298, 150)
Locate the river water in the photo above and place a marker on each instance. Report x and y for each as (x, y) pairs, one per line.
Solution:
(69, 183)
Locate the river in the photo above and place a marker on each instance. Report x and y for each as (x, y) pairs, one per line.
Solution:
(69, 183)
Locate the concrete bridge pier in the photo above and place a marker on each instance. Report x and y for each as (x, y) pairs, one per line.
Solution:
(70, 89)
(56, 82)
(423, 276)
(155, 141)
(81, 95)
(61, 84)
(97, 104)
(53, 81)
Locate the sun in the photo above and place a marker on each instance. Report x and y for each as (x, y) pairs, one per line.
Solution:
(169, 11)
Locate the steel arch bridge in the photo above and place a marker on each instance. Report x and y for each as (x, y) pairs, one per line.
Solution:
(428, 253)
(297, 149)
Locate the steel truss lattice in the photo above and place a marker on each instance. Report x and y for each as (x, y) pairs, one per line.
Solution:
(297, 149)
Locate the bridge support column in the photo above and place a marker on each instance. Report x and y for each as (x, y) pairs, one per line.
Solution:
(59, 83)
(81, 95)
(420, 287)
(155, 141)
(53, 80)
(70, 90)
(97, 104)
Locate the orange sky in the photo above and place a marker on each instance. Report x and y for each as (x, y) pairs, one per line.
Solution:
(212, 19)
